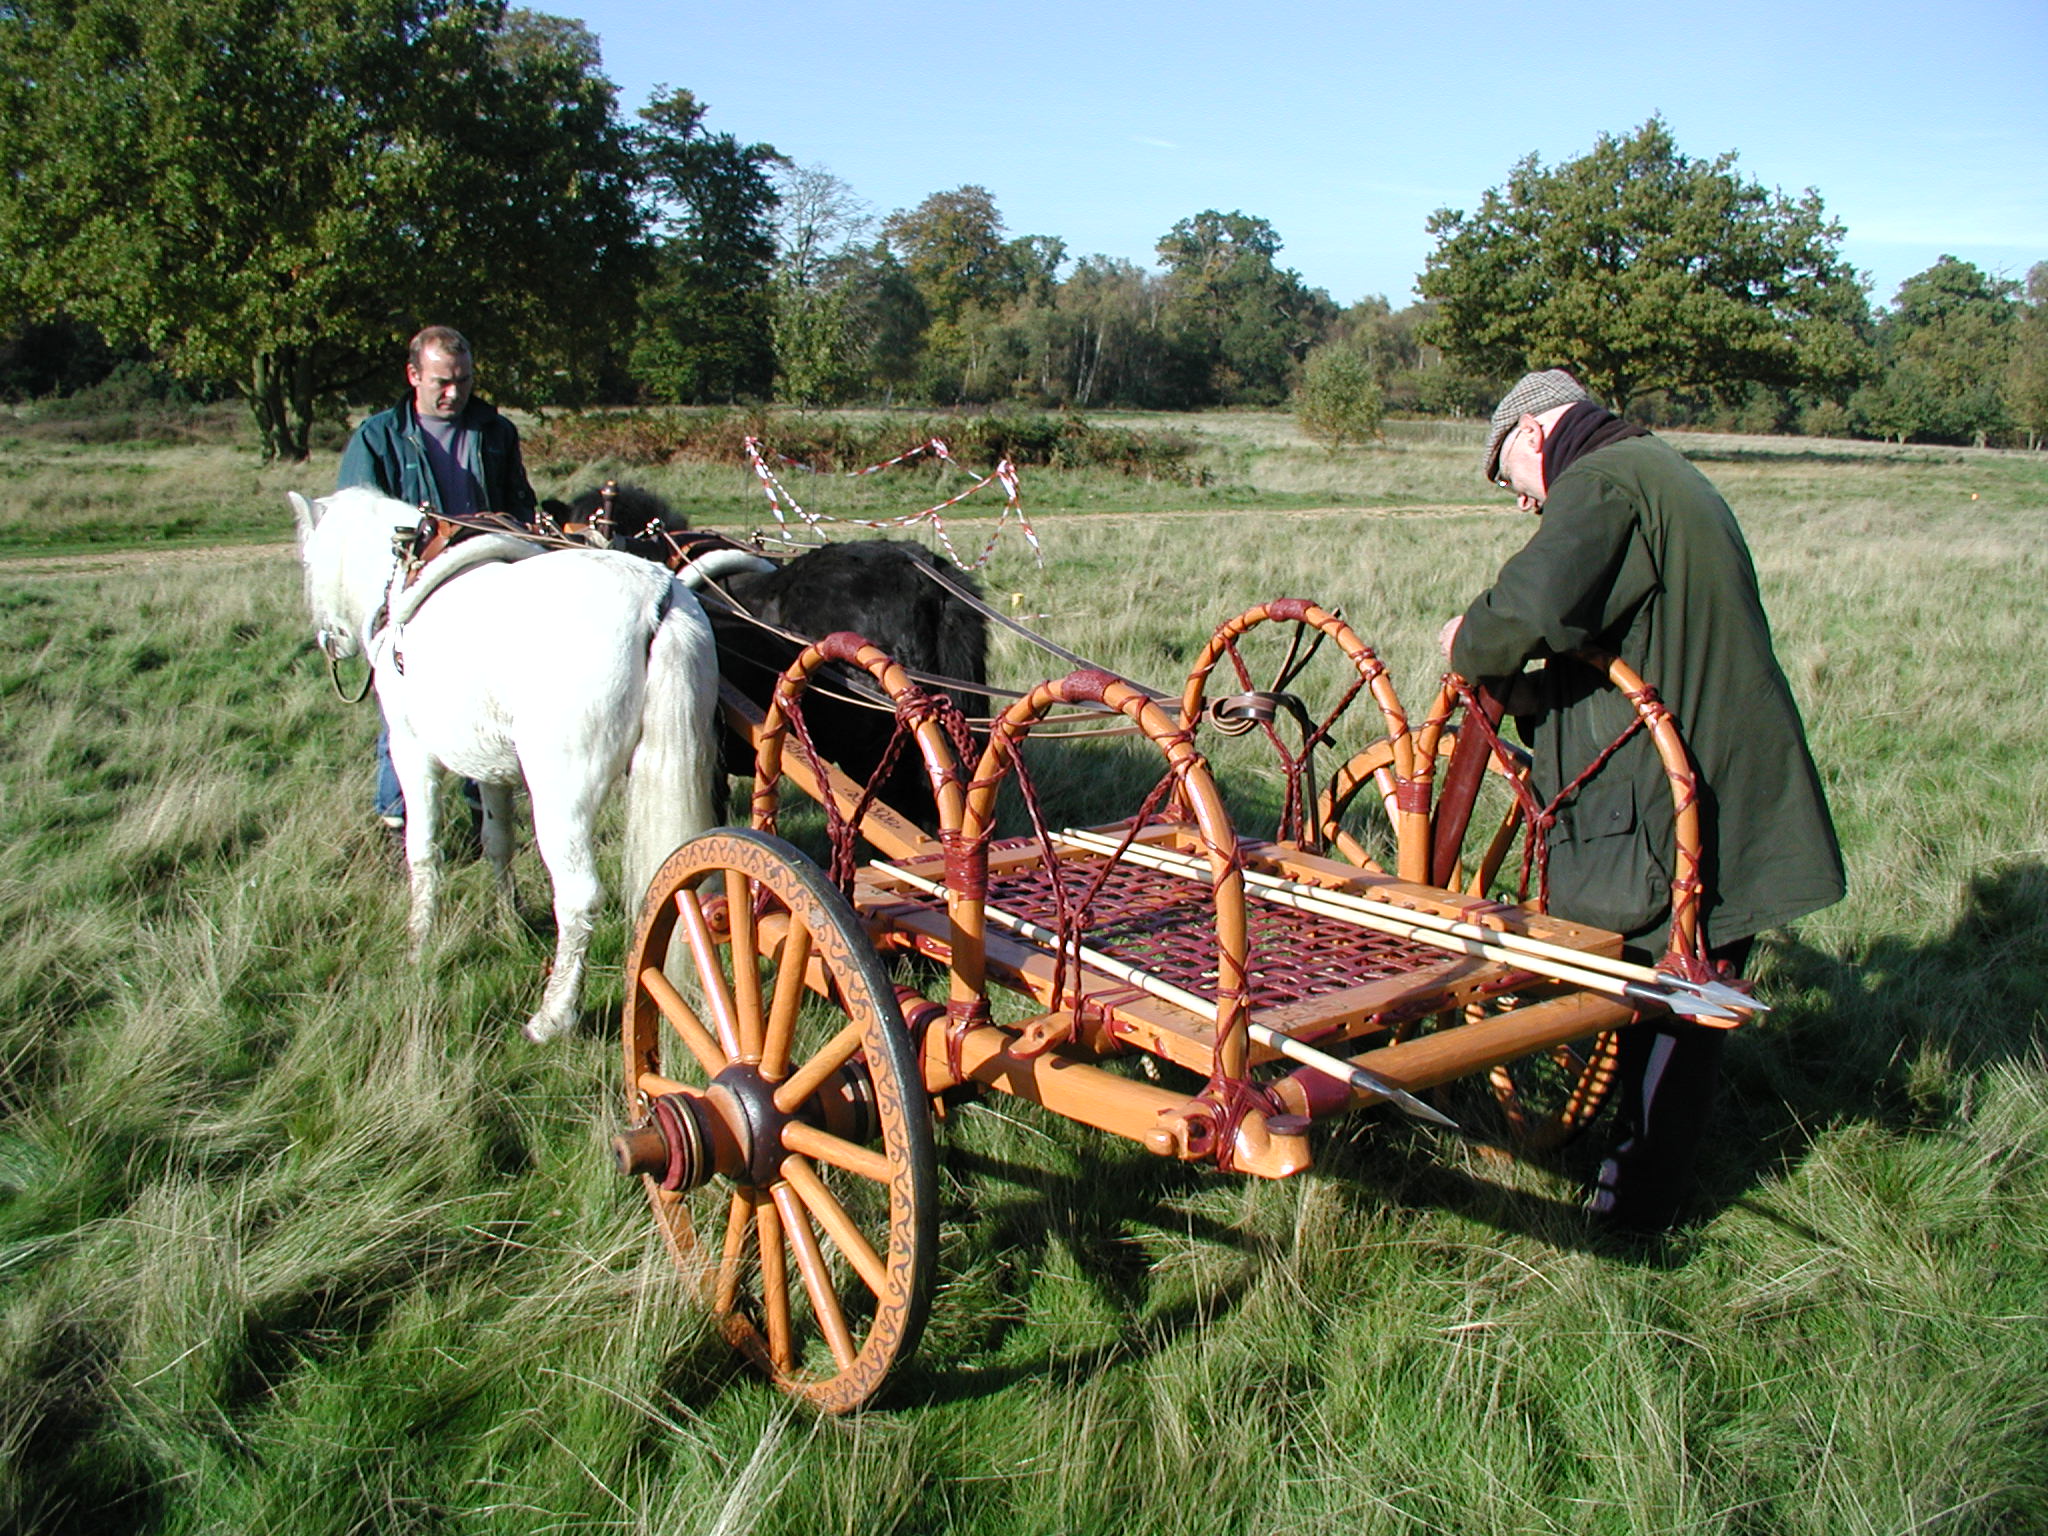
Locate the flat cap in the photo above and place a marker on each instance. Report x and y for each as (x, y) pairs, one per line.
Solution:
(1534, 394)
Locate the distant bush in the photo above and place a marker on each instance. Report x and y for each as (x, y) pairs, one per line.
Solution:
(1339, 401)
(1758, 411)
(561, 442)
(835, 445)
(134, 403)
(1824, 418)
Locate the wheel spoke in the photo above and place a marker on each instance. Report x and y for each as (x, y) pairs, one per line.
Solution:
(1547, 1098)
(710, 970)
(683, 1019)
(791, 964)
(810, 1263)
(746, 969)
(824, 1272)
(834, 1054)
(824, 1205)
(732, 1259)
(775, 1285)
(827, 1148)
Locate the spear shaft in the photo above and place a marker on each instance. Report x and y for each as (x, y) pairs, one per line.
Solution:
(1331, 1066)
(1598, 973)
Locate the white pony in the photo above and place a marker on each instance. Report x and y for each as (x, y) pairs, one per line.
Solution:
(567, 668)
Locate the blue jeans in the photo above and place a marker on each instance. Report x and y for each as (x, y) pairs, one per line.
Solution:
(390, 799)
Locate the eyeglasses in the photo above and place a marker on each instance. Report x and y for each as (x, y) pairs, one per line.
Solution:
(1500, 463)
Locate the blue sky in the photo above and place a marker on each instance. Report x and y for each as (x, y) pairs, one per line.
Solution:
(1924, 127)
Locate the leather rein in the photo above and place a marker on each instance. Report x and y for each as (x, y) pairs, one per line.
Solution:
(334, 677)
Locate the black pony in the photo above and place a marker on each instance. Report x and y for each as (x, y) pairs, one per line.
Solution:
(882, 589)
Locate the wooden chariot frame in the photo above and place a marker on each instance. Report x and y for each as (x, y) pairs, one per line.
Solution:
(769, 1053)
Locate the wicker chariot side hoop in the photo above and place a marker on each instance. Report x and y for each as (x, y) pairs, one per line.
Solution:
(1686, 948)
(1197, 705)
(1193, 786)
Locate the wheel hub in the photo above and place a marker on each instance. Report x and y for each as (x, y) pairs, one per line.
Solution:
(674, 1146)
(746, 1102)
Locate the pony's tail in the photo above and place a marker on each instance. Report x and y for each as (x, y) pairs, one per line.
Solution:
(669, 795)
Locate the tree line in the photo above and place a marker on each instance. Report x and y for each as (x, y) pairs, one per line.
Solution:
(267, 200)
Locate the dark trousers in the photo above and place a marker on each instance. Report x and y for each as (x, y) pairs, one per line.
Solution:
(1666, 1074)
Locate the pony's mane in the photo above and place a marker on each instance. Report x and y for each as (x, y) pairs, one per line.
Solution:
(360, 500)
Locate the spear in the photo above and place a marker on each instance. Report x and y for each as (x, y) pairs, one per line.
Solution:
(1331, 1066)
(1623, 979)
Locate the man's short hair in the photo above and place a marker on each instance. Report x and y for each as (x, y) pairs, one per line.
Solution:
(437, 338)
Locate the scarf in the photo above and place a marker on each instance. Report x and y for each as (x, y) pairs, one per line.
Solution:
(1578, 432)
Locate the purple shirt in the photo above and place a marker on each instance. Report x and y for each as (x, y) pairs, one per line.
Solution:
(448, 451)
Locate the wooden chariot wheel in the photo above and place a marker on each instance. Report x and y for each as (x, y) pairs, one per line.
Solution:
(1362, 828)
(1546, 1099)
(776, 1099)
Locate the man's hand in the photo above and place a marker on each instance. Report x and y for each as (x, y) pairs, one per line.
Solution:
(1448, 635)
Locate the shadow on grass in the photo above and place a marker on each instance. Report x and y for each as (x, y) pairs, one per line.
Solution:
(1099, 1220)
(1848, 454)
(1895, 1034)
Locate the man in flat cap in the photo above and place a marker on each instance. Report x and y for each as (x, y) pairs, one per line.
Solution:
(1637, 555)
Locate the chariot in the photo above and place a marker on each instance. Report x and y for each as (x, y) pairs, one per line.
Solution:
(791, 1027)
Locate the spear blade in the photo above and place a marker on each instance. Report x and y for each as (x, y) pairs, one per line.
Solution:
(1352, 1073)
(1678, 1000)
(1729, 997)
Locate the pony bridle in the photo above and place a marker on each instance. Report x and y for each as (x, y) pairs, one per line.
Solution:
(329, 642)
(330, 648)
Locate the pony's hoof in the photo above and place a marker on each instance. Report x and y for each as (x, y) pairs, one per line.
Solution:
(540, 1029)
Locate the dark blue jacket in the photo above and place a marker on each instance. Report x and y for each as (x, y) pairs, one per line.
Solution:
(388, 451)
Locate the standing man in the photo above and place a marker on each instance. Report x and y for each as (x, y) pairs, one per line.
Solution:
(442, 448)
(1636, 554)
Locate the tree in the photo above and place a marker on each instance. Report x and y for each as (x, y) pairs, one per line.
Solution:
(817, 354)
(706, 321)
(278, 195)
(1942, 355)
(2026, 377)
(972, 281)
(1242, 322)
(1037, 259)
(1443, 388)
(886, 318)
(1339, 400)
(818, 218)
(55, 357)
(952, 246)
(1103, 340)
(1641, 269)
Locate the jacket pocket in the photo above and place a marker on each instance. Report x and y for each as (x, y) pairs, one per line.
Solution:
(1601, 871)
(1605, 806)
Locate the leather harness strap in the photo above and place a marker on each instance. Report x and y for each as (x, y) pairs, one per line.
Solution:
(437, 531)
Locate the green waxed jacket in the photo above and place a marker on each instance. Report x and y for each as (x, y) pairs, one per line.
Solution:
(387, 452)
(1638, 555)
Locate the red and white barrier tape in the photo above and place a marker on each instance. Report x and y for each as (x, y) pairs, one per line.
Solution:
(1004, 474)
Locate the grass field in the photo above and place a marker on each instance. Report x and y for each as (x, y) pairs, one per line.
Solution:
(295, 1237)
